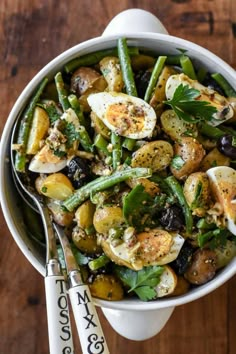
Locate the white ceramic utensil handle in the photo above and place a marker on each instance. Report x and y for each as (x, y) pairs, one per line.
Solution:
(59, 327)
(91, 335)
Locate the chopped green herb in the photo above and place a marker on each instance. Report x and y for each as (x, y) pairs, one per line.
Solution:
(139, 208)
(189, 109)
(177, 162)
(59, 153)
(44, 189)
(142, 282)
(52, 111)
(71, 133)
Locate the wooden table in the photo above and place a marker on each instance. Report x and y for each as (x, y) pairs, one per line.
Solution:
(32, 32)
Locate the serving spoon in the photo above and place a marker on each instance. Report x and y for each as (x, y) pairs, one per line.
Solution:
(87, 321)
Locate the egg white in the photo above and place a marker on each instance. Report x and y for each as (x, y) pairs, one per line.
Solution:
(223, 184)
(137, 122)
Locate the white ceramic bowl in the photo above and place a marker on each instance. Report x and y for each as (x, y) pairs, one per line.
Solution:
(131, 318)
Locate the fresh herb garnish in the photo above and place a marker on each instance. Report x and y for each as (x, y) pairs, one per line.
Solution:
(51, 110)
(139, 208)
(142, 282)
(189, 109)
(59, 153)
(71, 134)
(177, 162)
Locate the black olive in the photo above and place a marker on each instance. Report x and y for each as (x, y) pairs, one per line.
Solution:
(141, 80)
(226, 145)
(184, 258)
(172, 218)
(212, 84)
(78, 171)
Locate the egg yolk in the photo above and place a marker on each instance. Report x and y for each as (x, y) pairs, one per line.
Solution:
(126, 118)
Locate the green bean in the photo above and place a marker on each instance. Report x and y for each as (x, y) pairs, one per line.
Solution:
(101, 143)
(98, 262)
(210, 131)
(173, 59)
(129, 144)
(85, 139)
(25, 125)
(178, 192)
(62, 92)
(187, 67)
(154, 77)
(102, 183)
(204, 238)
(203, 224)
(126, 68)
(94, 58)
(224, 84)
(228, 130)
(116, 150)
(74, 102)
(201, 74)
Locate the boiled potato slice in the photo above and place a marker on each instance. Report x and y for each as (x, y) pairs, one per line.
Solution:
(182, 287)
(60, 216)
(225, 254)
(107, 287)
(85, 243)
(149, 186)
(57, 186)
(197, 193)
(214, 158)
(191, 153)
(175, 127)
(159, 94)
(203, 266)
(167, 282)
(107, 217)
(110, 68)
(84, 214)
(39, 128)
(156, 155)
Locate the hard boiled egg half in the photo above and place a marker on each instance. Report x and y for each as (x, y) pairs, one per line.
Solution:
(223, 184)
(125, 115)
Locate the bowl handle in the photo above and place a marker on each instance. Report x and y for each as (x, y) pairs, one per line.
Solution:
(137, 325)
(134, 21)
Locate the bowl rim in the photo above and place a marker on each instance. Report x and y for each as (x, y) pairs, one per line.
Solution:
(87, 47)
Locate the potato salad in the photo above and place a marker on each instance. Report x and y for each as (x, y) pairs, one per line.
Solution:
(135, 154)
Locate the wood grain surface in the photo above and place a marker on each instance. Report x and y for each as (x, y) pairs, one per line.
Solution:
(32, 32)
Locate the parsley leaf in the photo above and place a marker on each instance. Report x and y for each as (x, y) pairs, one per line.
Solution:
(185, 104)
(52, 111)
(142, 282)
(71, 134)
(140, 209)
